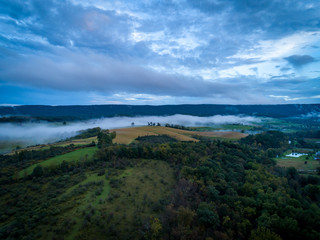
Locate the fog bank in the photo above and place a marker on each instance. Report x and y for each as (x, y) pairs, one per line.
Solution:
(37, 133)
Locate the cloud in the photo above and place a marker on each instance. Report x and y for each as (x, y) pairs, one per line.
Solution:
(152, 48)
(300, 60)
(74, 71)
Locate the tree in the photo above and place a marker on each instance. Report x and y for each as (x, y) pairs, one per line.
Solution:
(37, 171)
(263, 233)
(155, 228)
(207, 216)
(185, 216)
(105, 138)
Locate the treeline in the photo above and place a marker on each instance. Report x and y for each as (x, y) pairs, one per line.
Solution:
(176, 126)
(224, 190)
(156, 139)
(9, 164)
(230, 191)
(91, 132)
(37, 119)
(98, 111)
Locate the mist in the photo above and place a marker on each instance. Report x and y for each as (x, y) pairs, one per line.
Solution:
(40, 133)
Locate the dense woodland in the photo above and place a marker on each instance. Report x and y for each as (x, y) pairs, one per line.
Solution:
(42, 112)
(220, 190)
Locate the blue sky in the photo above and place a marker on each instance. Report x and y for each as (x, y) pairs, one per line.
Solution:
(61, 52)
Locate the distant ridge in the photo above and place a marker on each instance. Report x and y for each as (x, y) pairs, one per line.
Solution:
(98, 111)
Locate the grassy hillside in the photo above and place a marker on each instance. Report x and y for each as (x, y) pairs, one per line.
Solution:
(77, 155)
(105, 203)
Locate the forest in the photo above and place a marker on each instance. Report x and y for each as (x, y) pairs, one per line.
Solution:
(71, 113)
(159, 188)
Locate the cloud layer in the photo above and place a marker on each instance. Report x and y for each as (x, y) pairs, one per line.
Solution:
(234, 51)
(35, 133)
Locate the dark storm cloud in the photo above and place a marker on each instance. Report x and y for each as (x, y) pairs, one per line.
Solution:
(300, 60)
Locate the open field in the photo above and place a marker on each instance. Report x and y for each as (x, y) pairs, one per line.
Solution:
(76, 142)
(84, 153)
(226, 135)
(298, 163)
(127, 135)
(89, 199)
(121, 197)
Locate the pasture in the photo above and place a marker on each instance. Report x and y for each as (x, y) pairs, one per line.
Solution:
(300, 163)
(77, 155)
(122, 198)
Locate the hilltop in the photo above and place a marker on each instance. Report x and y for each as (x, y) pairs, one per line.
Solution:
(78, 112)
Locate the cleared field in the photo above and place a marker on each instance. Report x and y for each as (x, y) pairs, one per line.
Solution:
(127, 135)
(84, 153)
(89, 198)
(76, 142)
(136, 193)
(298, 163)
(122, 199)
(227, 134)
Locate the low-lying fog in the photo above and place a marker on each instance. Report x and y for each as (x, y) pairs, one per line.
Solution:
(38, 133)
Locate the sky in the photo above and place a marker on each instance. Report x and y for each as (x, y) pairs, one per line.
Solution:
(83, 52)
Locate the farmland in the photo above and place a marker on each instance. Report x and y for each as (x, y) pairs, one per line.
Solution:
(127, 135)
(302, 163)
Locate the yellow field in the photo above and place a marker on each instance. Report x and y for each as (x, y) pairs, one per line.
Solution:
(127, 135)
(229, 134)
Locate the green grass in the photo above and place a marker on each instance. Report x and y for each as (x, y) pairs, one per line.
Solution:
(298, 163)
(129, 195)
(77, 155)
(146, 184)
(87, 199)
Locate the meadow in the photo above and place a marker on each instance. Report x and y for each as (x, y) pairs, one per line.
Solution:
(302, 163)
(77, 155)
(115, 200)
